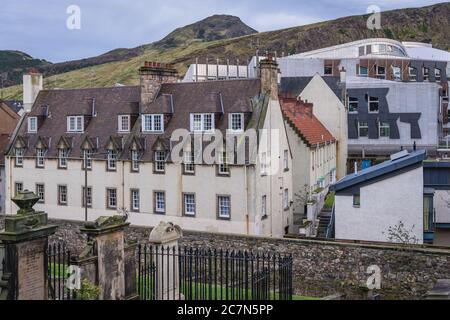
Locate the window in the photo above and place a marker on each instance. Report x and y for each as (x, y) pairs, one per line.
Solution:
(224, 168)
(135, 201)
(111, 198)
(75, 124)
(328, 70)
(363, 129)
(40, 158)
(160, 161)
(62, 158)
(160, 202)
(224, 207)
(40, 192)
(426, 74)
(363, 71)
(236, 122)
(189, 204)
(152, 123)
(437, 74)
(264, 207)
(112, 160)
(18, 187)
(361, 51)
(124, 123)
(385, 130)
(189, 166)
(412, 74)
(32, 125)
(88, 196)
(62, 195)
(356, 200)
(374, 105)
(135, 160)
(381, 72)
(87, 159)
(286, 160)
(264, 163)
(19, 157)
(353, 105)
(286, 204)
(202, 122)
(397, 73)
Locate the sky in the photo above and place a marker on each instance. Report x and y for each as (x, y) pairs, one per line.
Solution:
(40, 28)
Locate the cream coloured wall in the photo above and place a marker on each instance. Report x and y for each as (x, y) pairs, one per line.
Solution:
(332, 113)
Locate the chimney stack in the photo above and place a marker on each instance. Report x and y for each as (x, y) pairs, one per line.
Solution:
(33, 82)
(269, 77)
(152, 76)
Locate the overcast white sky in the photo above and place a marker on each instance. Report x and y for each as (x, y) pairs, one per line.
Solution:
(39, 27)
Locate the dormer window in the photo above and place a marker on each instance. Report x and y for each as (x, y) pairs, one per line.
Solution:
(135, 160)
(19, 157)
(75, 124)
(202, 122)
(124, 123)
(40, 158)
(152, 123)
(236, 122)
(112, 160)
(62, 158)
(32, 124)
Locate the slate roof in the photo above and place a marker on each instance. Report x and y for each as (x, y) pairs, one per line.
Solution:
(300, 116)
(14, 105)
(385, 168)
(176, 101)
(294, 86)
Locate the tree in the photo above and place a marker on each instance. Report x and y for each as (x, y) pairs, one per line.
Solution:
(400, 234)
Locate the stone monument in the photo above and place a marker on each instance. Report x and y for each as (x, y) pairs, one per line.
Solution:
(25, 274)
(165, 238)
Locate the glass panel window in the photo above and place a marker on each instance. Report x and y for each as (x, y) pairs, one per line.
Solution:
(75, 124)
(236, 122)
(40, 192)
(224, 207)
(189, 166)
(356, 200)
(363, 129)
(135, 160)
(437, 74)
(88, 196)
(363, 71)
(18, 187)
(202, 122)
(32, 125)
(62, 158)
(111, 198)
(160, 161)
(397, 73)
(286, 199)
(189, 204)
(135, 200)
(381, 72)
(152, 123)
(328, 70)
(426, 74)
(352, 105)
(385, 130)
(87, 158)
(412, 74)
(224, 168)
(124, 123)
(112, 160)
(19, 157)
(40, 158)
(374, 105)
(160, 202)
(62, 195)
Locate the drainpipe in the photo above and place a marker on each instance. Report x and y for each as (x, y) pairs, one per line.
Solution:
(247, 218)
(123, 185)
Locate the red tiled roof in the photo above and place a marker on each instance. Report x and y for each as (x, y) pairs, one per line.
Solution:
(300, 116)
(4, 140)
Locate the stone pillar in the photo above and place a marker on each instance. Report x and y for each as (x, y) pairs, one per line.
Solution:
(130, 273)
(164, 239)
(25, 274)
(107, 234)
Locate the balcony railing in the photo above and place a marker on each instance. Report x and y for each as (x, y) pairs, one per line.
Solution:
(444, 144)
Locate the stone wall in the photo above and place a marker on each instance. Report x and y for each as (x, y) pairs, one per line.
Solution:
(322, 268)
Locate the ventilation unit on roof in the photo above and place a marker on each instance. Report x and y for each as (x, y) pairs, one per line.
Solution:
(399, 155)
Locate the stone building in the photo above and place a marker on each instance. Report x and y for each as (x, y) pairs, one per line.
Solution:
(128, 139)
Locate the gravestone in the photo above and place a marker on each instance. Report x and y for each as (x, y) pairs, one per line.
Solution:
(164, 239)
(108, 238)
(25, 274)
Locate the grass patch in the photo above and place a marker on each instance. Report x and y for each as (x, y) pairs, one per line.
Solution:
(58, 270)
(329, 201)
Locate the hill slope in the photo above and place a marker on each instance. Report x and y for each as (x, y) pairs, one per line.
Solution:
(428, 24)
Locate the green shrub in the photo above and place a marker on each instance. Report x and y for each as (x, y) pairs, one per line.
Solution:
(88, 291)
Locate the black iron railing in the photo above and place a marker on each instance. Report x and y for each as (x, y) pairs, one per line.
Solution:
(58, 261)
(210, 274)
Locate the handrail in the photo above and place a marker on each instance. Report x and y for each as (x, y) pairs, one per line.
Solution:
(330, 227)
